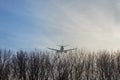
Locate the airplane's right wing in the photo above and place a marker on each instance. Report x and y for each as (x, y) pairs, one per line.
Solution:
(69, 49)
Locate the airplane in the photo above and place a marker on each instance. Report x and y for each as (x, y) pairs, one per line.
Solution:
(61, 50)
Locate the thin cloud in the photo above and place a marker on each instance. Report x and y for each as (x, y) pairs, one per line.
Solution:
(84, 23)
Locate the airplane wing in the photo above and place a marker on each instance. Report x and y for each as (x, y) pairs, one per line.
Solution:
(53, 49)
(69, 49)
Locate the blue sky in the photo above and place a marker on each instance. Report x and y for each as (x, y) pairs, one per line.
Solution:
(29, 24)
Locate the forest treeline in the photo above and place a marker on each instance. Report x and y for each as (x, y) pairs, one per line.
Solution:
(43, 65)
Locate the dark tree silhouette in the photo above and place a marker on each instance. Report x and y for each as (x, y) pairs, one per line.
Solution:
(33, 66)
(5, 60)
(20, 62)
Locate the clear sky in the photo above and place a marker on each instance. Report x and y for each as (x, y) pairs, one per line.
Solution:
(29, 24)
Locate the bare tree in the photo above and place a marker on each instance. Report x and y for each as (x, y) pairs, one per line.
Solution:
(14, 68)
(33, 66)
(45, 66)
(103, 65)
(5, 57)
(20, 65)
(106, 66)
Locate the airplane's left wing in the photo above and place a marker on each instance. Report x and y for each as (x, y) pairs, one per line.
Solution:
(53, 49)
